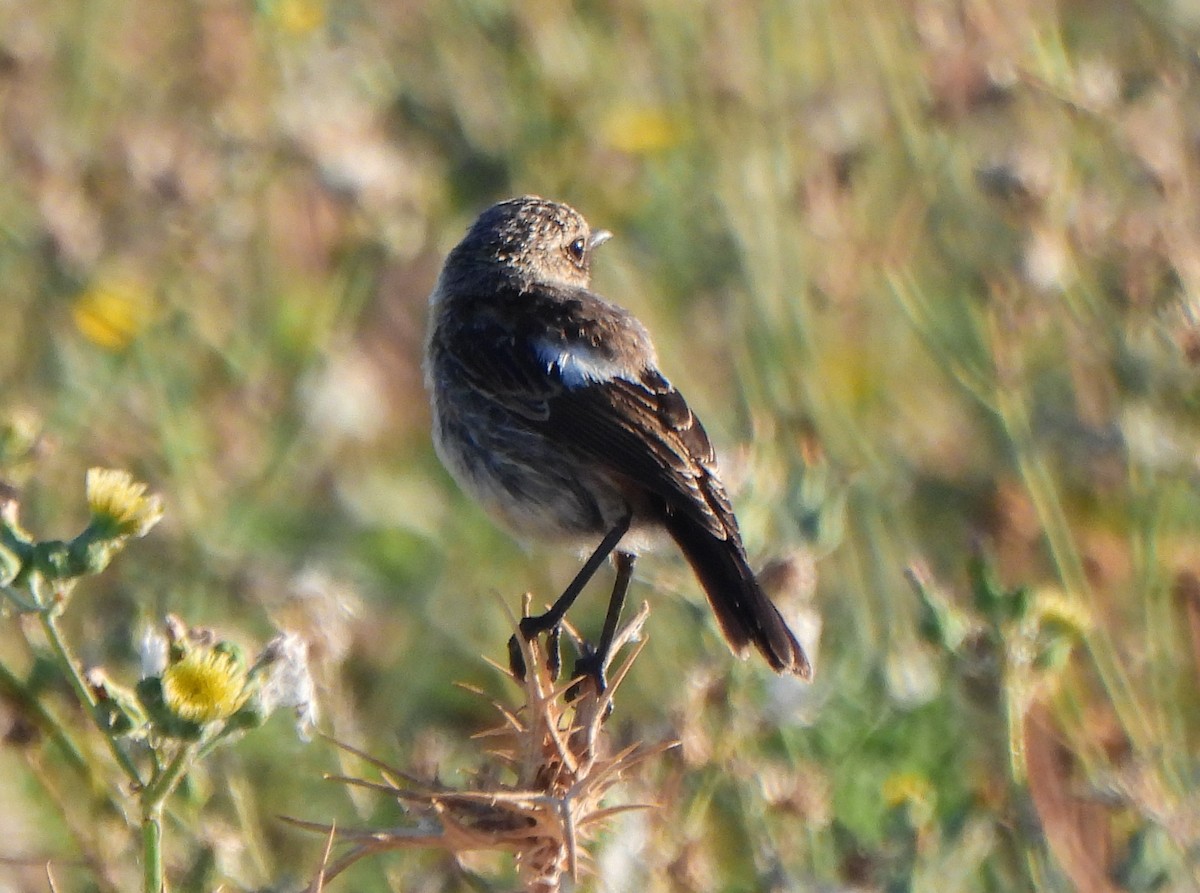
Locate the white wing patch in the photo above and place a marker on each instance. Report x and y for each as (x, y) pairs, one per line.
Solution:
(578, 364)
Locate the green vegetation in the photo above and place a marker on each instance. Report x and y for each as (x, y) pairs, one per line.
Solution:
(929, 272)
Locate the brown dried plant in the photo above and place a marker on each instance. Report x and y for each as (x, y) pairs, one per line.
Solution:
(554, 751)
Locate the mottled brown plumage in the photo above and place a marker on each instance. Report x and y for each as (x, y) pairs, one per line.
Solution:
(549, 408)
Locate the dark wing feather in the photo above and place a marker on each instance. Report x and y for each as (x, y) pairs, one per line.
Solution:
(635, 424)
(644, 431)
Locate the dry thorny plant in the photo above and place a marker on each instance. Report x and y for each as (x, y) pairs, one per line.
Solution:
(552, 747)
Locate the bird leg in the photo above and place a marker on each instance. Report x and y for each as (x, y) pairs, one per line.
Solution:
(551, 620)
(593, 663)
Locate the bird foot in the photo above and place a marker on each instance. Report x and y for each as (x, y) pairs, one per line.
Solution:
(530, 628)
(590, 667)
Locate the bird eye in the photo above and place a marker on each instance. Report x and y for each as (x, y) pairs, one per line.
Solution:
(577, 249)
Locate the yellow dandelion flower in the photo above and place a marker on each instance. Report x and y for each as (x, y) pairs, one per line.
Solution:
(204, 686)
(299, 17)
(912, 791)
(1056, 624)
(1056, 610)
(112, 312)
(906, 787)
(639, 130)
(120, 503)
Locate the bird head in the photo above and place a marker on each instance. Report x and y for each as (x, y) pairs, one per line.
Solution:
(533, 240)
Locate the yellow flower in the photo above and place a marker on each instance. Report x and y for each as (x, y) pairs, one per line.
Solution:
(913, 792)
(112, 312)
(299, 16)
(639, 130)
(1057, 611)
(1057, 623)
(205, 685)
(119, 502)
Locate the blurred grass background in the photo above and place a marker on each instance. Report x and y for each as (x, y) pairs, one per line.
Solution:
(929, 271)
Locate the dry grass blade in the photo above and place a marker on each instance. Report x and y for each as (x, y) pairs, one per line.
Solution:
(553, 751)
(319, 882)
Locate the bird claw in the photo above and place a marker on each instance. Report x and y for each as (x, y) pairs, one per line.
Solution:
(589, 667)
(516, 660)
(530, 628)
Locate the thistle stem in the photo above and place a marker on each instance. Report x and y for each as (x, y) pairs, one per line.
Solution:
(152, 866)
(70, 666)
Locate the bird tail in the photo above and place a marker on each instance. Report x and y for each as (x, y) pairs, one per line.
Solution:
(744, 612)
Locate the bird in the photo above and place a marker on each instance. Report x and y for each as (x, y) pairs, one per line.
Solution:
(549, 408)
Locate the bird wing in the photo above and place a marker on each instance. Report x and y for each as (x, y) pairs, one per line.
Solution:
(581, 371)
(642, 429)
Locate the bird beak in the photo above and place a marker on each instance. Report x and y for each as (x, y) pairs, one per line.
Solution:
(599, 237)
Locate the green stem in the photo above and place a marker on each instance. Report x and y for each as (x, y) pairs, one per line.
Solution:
(70, 667)
(152, 865)
(1014, 714)
(161, 787)
(154, 798)
(14, 595)
(16, 689)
